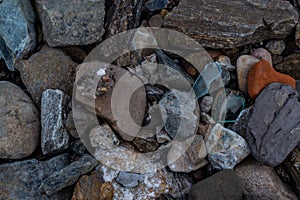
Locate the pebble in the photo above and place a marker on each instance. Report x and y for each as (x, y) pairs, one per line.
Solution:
(156, 21)
(225, 63)
(290, 65)
(206, 104)
(274, 126)
(70, 126)
(129, 180)
(262, 53)
(19, 123)
(103, 137)
(154, 5)
(276, 46)
(145, 145)
(240, 126)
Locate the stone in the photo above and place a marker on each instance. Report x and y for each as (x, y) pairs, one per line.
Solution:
(240, 126)
(70, 126)
(17, 36)
(298, 86)
(241, 23)
(206, 104)
(262, 53)
(297, 35)
(22, 179)
(225, 148)
(129, 180)
(77, 54)
(243, 65)
(70, 23)
(154, 5)
(19, 123)
(54, 107)
(225, 63)
(68, 175)
(290, 65)
(222, 186)
(261, 182)
(262, 74)
(156, 21)
(77, 147)
(276, 46)
(145, 145)
(47, 69)
(274, 126)
(103, 137)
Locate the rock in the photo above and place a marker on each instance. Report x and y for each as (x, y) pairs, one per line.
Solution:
(261, 182)
(243, 66)
(222, 186)
(276, 46)
(262, 53)
(262, 74)
(76, 53)
(19, 123)
(206, 104)
(77, 147)
(225, 63)
(156, 21)
(241, 21)
(290, 65)
(129, 180)
(17, 36)
(145, 145)
(163, 137)
(153, 5)
(70, 126)
(22, 179)
(54, 136)
(70, 23)
(240, 126)
(274, 126)
(103, 137)
(298, 86)
(297, 34)
(46, 69)
(68, 175)
(225, 148)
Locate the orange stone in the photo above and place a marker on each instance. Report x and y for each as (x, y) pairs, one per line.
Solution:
(262, 74)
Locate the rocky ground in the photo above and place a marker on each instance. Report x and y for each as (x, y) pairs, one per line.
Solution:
(243, 130)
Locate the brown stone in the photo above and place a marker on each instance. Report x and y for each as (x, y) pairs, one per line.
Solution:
(262, 74)
(290, 65)
(156, 21)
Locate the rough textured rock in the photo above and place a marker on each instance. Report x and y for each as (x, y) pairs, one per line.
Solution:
(274, 124)
(103, 137)
(75, 22)
(70, 126)
(54, 108)
(129, 180)
(262, 74)
(290, 65)
(19, 122)
(242, 21)
(262, 182)
(206, 104)
(222, 186)
(240, 126)
(47, 69)
(276, 46)
(153, 5)
(21, 180)
(17, 36)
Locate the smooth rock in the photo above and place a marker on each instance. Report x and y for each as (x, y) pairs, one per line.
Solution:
(103, 137)
(240, 126)
(17, 34)
(290, 65)
(225, 148)
(19, 122)
(262, 74)
(70, 126)
(262, 182)
(241, 23)
(156, 21)
(276, 46)
(206, 104)
(129, 180)
(221, 186)
(153, 5)
(71, 22)
(262, 53)
(47, 69)
(54, 107)
(274, 126)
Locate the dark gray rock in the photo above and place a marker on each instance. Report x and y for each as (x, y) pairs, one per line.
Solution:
(77, 147)
(228, 24)
(290, 65)
(240, 126)
(129, 180)
(274, 126)
(71, 22)
(153, 5)
(276, 46)
(70, 126)
(17, 34)
(221, 186)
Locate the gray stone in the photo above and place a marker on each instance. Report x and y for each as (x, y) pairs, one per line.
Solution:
(206, 104)
(19, 123)
(241, 22)
(276, 46)
(261, 53)
(77, 147)
(221, 186)
(298, 86)
(54, 136)
(22, 179)
(70, 126)
(240, 126)
(68, 175)
(129, 180)
(17, 34)
(103, 137)
(153, 5)
(274, 127)
(71, 22)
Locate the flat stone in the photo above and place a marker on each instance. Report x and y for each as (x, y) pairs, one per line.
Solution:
(103, 137)
(274, 124)
(54, 107)
(19, 122)
(17, 36)
(71, 22)
(241, 23)
(262, 182)
(261, 53)
(222, 186)
(290, 65)
(240, 126)
(276, 46)
(129, 180)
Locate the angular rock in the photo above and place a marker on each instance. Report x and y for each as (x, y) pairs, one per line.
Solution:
(17, 34)
(274, 127)
(145, 145)
(225, 63)
(78, 148)
(222, 186)
(240, 126)
(129, 180)
(70, 23)
(103, 137)
(262, 182)
(290, 65)
(276, 46)
(262, 53)
(70, 126)
(225, 148)
(76, 53)
(206, 104)
(242, 22)
(19, 122)
(54, 107)
(153, 5)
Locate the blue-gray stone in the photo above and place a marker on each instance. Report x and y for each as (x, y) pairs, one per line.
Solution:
(153, 5)
(129, 180)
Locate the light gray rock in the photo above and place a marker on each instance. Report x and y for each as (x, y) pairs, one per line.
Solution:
(129, 180)
(206, 104)
(103, 137)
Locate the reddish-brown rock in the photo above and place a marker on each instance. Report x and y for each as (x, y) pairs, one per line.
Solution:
(262, 74)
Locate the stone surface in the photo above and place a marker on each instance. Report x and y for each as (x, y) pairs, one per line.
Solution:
(70, 126)
(17, 34)
(225, 148)
(274, 124)
(276, 46)
(153, 5)
(19, 122)
(129, 180)
(297, 34)
(103, 137)
(22, 179)
(225, 63)
(290, 65)
(156, 21)
(70, 23)
(262, 74)
(222, 186)
(77, 147)
(47, 69)
(145, 145)
(262, 182)
(242, 22)
(240, 126)
(76, 53)
(206, 104)
(54, 107)
(261, 53)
